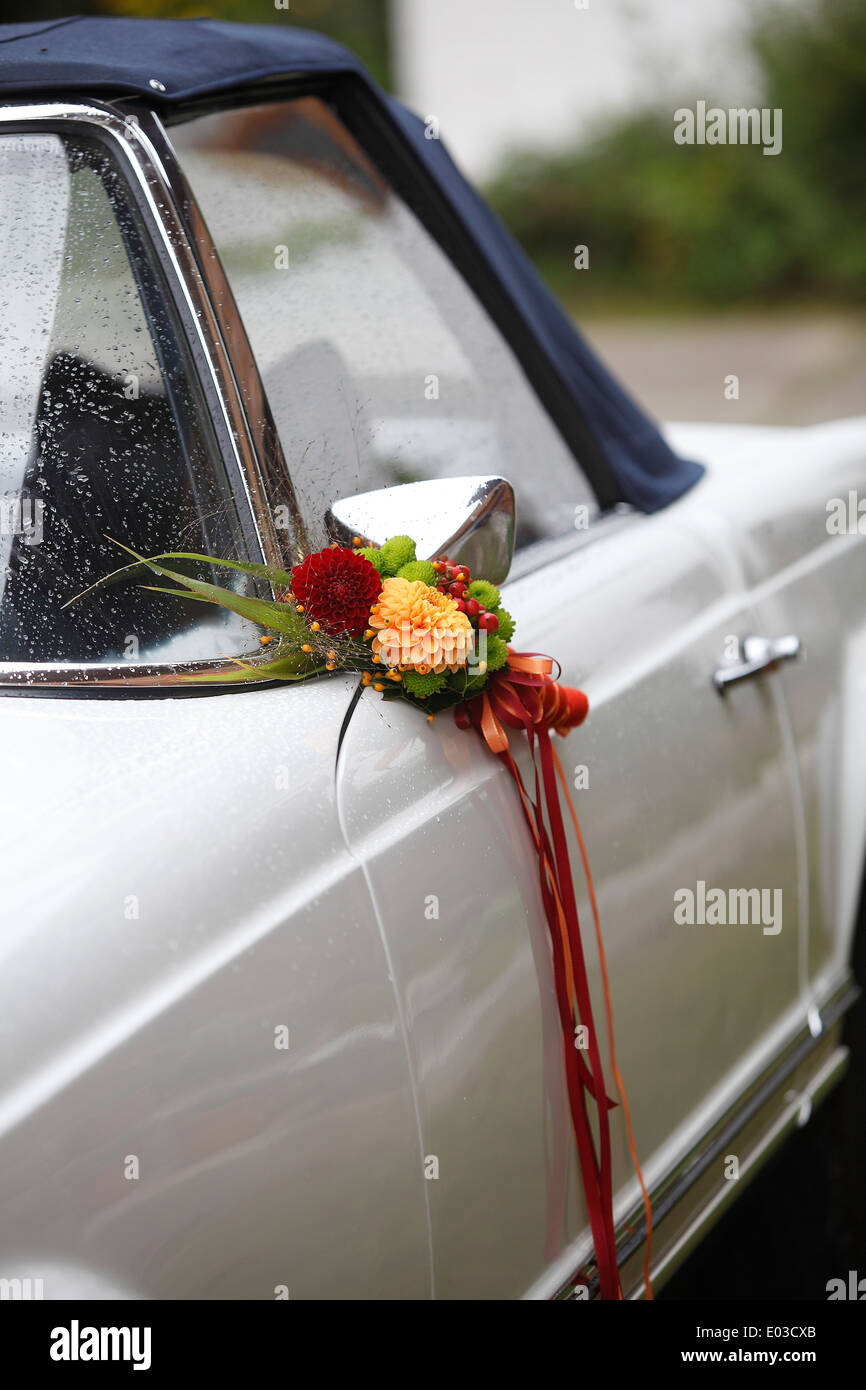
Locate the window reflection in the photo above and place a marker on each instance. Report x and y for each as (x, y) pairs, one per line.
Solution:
(380, 365)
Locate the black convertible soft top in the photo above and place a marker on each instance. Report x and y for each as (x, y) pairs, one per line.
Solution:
(170, 62)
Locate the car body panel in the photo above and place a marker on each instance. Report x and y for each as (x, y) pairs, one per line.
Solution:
(682, 785)
(772, 489)
(181, 891)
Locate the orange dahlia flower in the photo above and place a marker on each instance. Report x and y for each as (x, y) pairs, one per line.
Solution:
(417, 626)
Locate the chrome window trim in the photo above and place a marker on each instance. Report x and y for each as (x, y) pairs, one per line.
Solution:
(15, 674)
(142, 162)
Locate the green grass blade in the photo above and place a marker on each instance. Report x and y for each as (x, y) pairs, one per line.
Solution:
(285, 668)
(281, 578)
(265, 612)
(278, 616)
(113, 578)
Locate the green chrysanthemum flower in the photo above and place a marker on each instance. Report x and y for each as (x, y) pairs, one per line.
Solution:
(506, 624)
(497, 652)
(374, 555)
(418, 569)
(396, 552)
(484, 593)
(422, 686)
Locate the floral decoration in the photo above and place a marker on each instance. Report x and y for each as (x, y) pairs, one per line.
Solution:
(428, 632)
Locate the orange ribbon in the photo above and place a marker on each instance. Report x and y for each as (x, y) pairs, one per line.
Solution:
(524, 693)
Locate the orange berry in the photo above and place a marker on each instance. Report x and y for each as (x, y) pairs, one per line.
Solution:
(266, 641)
(306, 647)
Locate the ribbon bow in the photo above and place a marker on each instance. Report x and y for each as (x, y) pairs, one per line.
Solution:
(523, 696)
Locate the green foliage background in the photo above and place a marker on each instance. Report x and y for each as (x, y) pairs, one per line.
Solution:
(709, 225)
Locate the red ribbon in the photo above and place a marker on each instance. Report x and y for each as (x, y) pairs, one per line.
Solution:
(524, 696)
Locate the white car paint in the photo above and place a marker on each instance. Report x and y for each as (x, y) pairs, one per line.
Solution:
(190, 875)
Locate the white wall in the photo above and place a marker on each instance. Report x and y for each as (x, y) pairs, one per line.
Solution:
(540, 72)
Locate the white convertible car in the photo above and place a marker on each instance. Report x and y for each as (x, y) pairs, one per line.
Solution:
(276, 997)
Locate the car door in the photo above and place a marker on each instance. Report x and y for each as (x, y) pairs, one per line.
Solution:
(382, 367)
(675, 787)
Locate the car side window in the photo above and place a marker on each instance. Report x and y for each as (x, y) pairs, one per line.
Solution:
(103, 432)
(380, 364)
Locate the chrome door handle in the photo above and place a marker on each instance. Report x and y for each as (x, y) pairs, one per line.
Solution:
(758, 654)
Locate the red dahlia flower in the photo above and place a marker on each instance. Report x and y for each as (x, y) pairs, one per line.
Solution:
(337, 589)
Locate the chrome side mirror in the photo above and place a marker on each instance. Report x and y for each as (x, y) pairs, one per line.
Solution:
(471, 520)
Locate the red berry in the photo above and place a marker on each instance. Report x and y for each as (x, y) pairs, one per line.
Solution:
(488, 622)
(473, 607)
(461, 605)
(457, 589)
